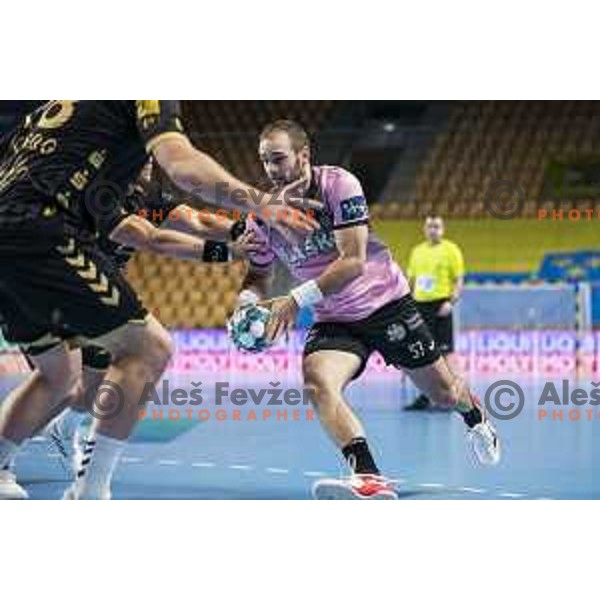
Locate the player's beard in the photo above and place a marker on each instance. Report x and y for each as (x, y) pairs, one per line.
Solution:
(294, 175)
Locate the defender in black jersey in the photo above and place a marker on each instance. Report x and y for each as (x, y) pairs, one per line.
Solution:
(224, 239)
(63, 181)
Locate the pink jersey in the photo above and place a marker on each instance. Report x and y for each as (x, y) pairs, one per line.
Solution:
(344, 206)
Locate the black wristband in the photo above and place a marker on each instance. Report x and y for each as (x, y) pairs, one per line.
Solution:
(215, 251)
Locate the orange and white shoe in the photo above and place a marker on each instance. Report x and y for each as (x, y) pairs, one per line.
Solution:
(356, 487)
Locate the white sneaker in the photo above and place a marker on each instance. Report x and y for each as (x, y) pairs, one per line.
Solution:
(485, 443)
(68, 444)
(77, 491)
(9, 488)
(356, 487)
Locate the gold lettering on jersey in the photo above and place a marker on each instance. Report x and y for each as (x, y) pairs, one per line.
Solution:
(35, 142)
(57, 113)
(97, 158)
(16, 171)
(80, 179)
(48, 146)
(32, 141)
(63, 199)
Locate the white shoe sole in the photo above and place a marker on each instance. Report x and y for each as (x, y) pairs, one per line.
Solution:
(14, 497)
(16, 493)
(333, 489)
(71, 495)
(489, 460)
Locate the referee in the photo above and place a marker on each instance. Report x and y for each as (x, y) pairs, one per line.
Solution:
(435, 273)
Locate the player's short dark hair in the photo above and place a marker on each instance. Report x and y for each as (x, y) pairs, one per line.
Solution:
(296, 132)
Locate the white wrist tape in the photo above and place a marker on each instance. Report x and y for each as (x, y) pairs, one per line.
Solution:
(247, 297)
(307, 293)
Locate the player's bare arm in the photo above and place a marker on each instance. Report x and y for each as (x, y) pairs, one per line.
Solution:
(352, 248)
(197, 173)
(351, 244)
(138, 233)
(211, 227)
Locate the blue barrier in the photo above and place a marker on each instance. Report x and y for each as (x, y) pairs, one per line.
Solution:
(571, 266)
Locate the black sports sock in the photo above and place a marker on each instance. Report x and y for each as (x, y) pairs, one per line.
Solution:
(422, 401)
(359, 457)
(473, 417)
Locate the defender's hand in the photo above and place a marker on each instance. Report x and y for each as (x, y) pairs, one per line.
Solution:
(294, 194)
(292, 199)
(247, 242)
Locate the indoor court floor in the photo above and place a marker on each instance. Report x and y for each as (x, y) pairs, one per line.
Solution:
(280, 459)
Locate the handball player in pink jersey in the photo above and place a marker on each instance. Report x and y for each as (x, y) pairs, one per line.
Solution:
(362, 304)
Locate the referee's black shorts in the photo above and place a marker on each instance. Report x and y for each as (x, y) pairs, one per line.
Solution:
(56, 287)
(441, 328)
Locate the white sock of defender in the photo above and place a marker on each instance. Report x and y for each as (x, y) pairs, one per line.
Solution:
(70, 420)
(100, 459)
(8, 451)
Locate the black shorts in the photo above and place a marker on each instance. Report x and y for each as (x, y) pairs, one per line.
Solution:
(95, 357)
(441, 327)
(397, 331)
(58, 288)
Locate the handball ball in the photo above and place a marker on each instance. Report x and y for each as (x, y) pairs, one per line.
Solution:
(247, 327)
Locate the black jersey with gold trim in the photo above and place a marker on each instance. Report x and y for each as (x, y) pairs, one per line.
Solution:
(77, 158)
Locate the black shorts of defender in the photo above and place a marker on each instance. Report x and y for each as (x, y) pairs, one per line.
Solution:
(397, 331)
(58, 289)
(93, 357)
(441, 327)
